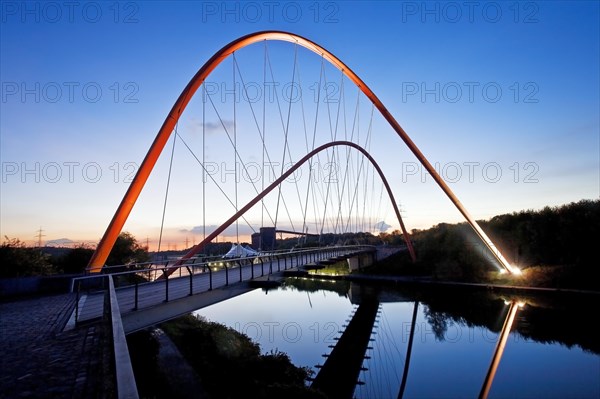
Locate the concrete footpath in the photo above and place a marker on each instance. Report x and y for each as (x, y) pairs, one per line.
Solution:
(39, 360)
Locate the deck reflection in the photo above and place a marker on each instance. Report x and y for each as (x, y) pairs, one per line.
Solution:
(498, 313)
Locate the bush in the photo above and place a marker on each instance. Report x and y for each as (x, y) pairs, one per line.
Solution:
(17, 260)
(75, 260)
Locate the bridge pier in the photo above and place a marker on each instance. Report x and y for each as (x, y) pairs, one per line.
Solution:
(362, 260)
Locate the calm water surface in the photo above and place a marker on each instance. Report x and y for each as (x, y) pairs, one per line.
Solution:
(551, 351)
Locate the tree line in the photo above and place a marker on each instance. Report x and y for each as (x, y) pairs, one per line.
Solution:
(18, 260)
(556, 245)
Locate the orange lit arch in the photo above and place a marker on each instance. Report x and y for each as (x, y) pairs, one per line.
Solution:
(135, 188)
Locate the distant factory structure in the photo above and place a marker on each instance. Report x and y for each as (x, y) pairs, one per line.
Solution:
(265, 239)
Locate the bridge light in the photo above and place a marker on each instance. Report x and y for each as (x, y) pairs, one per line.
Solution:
(515, 270)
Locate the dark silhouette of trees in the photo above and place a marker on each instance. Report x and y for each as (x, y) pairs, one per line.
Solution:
(17, 260)
(127, 250)
(561, 242)
(565, 235)
(74, 260)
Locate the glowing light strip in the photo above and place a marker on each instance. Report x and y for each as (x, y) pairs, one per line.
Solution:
(508, 323)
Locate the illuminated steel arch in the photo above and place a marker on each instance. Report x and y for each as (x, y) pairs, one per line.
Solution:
(133, 192)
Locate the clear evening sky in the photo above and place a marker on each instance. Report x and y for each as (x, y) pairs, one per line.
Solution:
(481, 87)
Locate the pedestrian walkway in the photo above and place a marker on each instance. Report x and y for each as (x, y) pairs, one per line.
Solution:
(39, 360)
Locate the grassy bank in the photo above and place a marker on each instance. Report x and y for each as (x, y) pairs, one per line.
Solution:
(230, 365)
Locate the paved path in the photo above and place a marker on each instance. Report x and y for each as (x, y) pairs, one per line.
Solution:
(38, 360)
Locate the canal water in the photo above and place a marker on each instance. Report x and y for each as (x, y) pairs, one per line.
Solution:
(427, 343)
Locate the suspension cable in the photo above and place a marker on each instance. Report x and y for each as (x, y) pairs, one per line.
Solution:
(235, 176)
(162, 223)
(203, 161)
(232, 143)
(262, 136)
(212, 178)
(285, 127)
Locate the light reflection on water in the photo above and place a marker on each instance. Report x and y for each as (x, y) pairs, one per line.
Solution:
(452, 349)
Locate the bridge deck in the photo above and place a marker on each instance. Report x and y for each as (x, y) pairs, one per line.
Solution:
(155, 293)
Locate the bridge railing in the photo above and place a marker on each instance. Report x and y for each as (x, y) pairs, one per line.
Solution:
(208, 259)
(159, 278)
(108, 311)
(124, 378)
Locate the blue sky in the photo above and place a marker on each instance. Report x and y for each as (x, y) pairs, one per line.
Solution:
(482, 89)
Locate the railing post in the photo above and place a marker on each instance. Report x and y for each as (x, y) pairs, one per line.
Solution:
(252, 268)
(135, 295)
(262, 268)
(77, 302)
(239, 262)
(209, 278)
(191, 279)
(271, 265)
(226, 274)
(166, 286)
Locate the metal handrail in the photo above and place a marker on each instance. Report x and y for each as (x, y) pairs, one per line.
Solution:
(125, 385)
(209, 259)
(152, 275)
(124, 378)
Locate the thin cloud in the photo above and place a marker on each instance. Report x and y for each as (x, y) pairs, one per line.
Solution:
(229, 231)
(60, 242)
(195, 126)
(382, 226)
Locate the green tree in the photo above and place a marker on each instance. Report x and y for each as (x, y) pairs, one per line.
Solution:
(76, 260)
(17, 260)
(127, 250)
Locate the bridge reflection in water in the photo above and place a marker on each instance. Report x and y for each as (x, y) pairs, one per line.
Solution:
(339, 375)
(429, 343)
